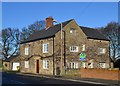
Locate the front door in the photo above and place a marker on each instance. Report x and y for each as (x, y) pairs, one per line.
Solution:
(37, 66)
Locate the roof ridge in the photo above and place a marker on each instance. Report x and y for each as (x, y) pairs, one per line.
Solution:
(64, 22)
(87, 27)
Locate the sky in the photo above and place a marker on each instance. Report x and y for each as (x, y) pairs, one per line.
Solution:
(89, 14)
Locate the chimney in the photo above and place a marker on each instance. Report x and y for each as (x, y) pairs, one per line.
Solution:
(49, 22)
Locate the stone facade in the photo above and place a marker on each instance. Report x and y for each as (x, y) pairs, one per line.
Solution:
(36, 53)
(8, 63)
(55, 63)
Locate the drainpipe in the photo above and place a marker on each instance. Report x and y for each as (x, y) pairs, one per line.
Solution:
(53, 59)
(64, 52)
(61, 50)
(109, 57)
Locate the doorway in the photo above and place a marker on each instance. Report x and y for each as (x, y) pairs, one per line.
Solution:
(37, 66)
(58, 71)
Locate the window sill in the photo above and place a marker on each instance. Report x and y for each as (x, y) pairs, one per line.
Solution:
(45, 52)
(45, 68)
(73, 51)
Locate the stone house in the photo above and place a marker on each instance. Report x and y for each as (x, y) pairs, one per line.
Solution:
(12, 63)
(63, 46)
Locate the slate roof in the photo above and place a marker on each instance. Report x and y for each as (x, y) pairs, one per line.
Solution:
(42, 34)
(50, 32)
(15, 58)
(93, 33)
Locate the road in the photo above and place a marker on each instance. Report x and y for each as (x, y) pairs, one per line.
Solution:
(13, 78)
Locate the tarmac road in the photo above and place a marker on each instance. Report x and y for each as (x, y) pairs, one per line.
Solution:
(13, 78)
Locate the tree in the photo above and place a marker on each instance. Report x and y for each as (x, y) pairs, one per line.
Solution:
(11, 38)
(111, 32)
(10, 42)
(26, 32)
(1, 56)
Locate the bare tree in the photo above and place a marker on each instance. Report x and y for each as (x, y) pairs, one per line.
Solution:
(111, 32)
(26, 32)
(10, 42)
(1, 56)
(11, 38)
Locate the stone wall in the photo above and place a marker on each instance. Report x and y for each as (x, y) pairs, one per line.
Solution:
(77, 39)
(32, 66)
(7, 65)
(36, 53)
(73, 73)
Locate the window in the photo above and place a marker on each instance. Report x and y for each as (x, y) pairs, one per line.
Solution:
(101, 50)
(73, 65)
(102, 65)
(73, 48)
(83, 47)
(26, 51)
(73, 31)
(26, 64)
(83, 64)
(45, 64)
(90, 65)
(45, 48)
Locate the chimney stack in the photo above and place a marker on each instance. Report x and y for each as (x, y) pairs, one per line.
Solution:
(49, 22)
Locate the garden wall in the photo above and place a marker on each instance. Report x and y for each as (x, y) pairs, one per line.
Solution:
(110, 74)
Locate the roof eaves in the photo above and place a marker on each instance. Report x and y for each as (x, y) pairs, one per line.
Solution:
(36, 39)
(98, 38)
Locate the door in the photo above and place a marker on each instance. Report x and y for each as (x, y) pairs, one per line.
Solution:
(37, 66)
(58, 71)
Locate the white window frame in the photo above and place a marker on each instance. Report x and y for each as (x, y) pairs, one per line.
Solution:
(74, 65)
(101, 50)
(45, 48)
(73, 48)
(83, 47)
(45, 64)
(26, 64)
(83, 64)
(102, 65)
(26, 51)
(73, 31)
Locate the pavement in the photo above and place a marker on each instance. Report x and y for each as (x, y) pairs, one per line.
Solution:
(82, 80)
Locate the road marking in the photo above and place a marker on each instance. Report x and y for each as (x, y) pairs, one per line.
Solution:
(80, 81)
(17, 82)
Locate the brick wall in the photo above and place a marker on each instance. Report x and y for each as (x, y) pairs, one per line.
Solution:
(100, 73)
